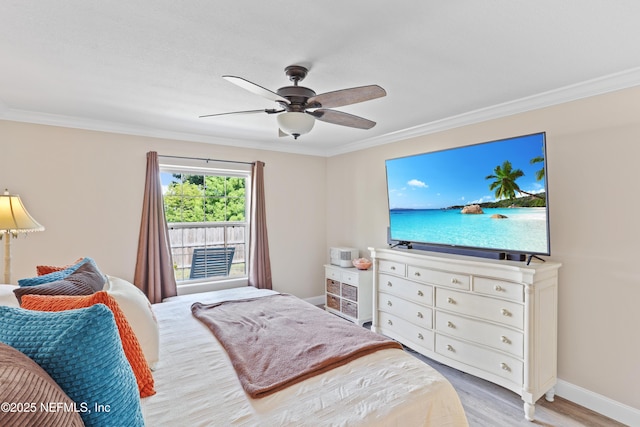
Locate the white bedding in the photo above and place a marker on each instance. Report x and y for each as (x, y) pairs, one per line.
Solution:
(197, 386)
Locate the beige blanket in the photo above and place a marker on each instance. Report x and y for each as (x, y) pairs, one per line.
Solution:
(279, 340)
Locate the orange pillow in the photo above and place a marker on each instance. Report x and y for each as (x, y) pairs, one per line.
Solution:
(130, 342)
(46, 269)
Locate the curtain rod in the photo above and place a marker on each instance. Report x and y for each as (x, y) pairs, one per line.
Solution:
(207, 160)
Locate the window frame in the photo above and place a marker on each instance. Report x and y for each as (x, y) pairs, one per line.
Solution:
(214, 168)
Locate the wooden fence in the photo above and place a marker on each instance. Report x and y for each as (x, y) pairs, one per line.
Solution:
(185, 237)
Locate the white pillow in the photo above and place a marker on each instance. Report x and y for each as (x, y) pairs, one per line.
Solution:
(136, 307)
(7, 297)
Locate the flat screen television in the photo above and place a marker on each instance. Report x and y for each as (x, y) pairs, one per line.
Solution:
(488, 198)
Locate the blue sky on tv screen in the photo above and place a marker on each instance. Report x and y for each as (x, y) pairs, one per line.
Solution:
(457, 176)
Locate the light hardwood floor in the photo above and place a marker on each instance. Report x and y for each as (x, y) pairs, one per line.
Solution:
(487, 404)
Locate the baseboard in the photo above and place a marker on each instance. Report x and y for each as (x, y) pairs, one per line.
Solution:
(601, 404)
(319, 300)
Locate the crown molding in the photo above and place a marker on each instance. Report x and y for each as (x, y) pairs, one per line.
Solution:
(586, 89)
(609, 83)
(120, 128)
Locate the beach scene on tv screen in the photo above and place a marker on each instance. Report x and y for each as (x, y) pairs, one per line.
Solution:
(490, 195)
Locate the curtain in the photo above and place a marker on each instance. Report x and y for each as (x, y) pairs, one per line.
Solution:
(154, 265)
(259, 262)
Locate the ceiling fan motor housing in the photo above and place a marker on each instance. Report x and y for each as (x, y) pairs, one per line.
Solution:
(298, 96)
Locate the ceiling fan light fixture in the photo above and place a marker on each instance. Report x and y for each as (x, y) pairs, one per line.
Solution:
(296, 123)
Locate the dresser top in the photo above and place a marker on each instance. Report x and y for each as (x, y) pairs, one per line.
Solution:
(514, 270)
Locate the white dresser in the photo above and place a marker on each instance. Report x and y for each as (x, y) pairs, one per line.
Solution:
(493, 319)
(349, 293)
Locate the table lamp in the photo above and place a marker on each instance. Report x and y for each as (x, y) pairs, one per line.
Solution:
(14, 219)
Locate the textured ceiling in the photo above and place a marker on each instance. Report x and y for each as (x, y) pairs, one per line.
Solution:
(151, 67)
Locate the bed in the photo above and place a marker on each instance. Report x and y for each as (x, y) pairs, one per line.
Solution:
(196, 384)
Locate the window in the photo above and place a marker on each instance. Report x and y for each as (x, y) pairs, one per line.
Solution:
(207, 217)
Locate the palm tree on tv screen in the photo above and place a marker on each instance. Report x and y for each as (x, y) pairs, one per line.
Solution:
(504, 183)
(539, 172)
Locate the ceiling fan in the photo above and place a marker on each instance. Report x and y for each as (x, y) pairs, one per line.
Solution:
(300, 106)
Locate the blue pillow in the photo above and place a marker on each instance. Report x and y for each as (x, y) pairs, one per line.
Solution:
(58, 275)
(81, 350)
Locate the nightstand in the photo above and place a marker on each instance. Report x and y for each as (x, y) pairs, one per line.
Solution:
(349, 293)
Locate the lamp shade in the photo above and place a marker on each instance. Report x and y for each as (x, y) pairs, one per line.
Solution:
(14, 218)
(295, 123)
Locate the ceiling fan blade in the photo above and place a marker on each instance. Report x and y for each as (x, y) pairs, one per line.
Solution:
(342, 119)
(268, 111)
(343, 97)
(257, 89)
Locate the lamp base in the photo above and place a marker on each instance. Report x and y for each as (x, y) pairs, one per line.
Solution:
(7, 257)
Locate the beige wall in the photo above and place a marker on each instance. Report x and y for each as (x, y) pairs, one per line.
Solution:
(593, 147)
(86, 189)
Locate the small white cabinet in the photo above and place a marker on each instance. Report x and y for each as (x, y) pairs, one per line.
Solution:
(349, 293)
(493, 319)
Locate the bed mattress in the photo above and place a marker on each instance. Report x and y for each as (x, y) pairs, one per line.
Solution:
(196, 384)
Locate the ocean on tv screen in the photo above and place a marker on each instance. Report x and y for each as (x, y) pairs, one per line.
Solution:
(515, 229)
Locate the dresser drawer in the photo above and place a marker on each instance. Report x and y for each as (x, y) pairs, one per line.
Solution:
(349, 292)
(332, 273)
(417, 292)
(333, 287)
(333, 302)
(442, 278)
(489, 334)
(414, 313)
(499, 288)
(504, 312)
(349, 308)
(410, 332)
(392, 267)
(490, 361)
(350, 277)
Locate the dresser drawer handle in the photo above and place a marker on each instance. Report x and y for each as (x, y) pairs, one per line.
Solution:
(417, 274)
(505, 339)
(420, 316)
(505, 312)
(389, 303)
(450, 348)
(454, 280)
(498, 288)
(450, 325)
(420, 336)
(393, 267)
(420, 294)
(505, 367)
(451, 300)
(390, 322)
(389, 284)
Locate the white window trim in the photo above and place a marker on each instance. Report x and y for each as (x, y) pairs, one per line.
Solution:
(205, 166)
(212, 167)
